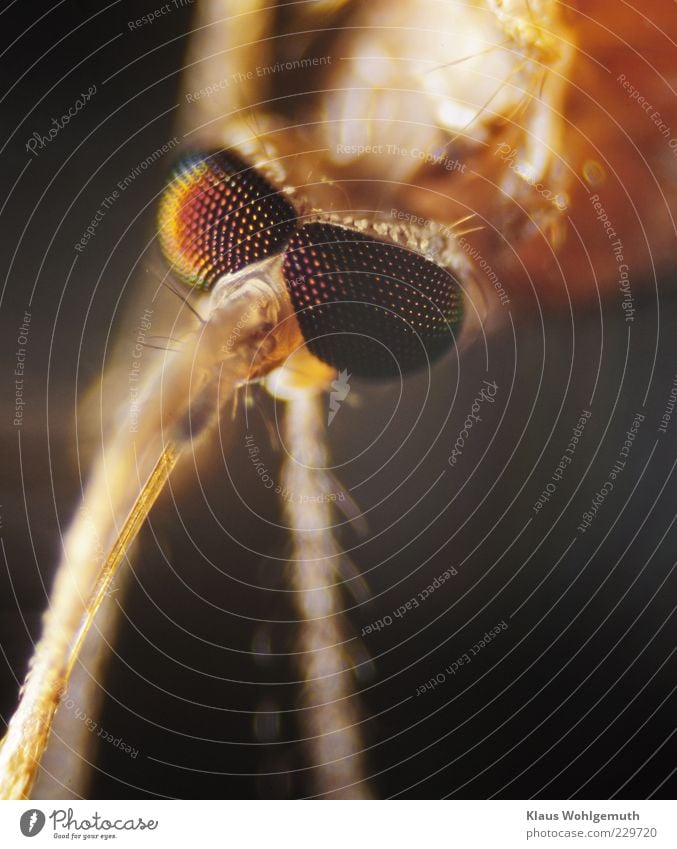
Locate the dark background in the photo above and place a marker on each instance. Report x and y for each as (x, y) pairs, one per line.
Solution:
(576, 698)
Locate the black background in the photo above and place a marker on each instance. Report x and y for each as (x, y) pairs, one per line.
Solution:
(575, 699)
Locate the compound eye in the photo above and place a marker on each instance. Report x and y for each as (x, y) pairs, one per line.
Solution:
(368, 306)
(218, 215)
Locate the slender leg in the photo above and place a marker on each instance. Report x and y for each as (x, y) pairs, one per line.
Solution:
(329, 711)
(67, 621)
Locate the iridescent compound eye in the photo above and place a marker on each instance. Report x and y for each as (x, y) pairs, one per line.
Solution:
(218, 215)
(368, 306)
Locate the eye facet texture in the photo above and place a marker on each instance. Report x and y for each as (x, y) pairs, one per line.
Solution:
(218, 215)
(365, 305)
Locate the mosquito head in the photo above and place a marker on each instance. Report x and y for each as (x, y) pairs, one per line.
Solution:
(356, 300)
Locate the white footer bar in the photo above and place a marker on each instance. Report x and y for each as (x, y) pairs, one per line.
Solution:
(340, 825)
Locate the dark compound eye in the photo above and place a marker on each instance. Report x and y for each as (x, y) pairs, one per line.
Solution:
(368, 306)
(218, 215)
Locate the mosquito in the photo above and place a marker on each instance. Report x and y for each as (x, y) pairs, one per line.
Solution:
(294, 278)
(301, 293)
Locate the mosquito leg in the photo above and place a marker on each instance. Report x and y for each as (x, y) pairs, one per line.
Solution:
(180, 400)
(330, 709)
(67, 622)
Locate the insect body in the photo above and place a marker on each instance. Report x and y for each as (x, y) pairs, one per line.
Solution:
(335, 146)
(362, 302)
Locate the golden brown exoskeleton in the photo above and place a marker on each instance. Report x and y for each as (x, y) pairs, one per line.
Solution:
(517, 111)
(538, 139)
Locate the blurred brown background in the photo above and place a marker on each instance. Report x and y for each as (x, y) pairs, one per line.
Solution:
(576, 698)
